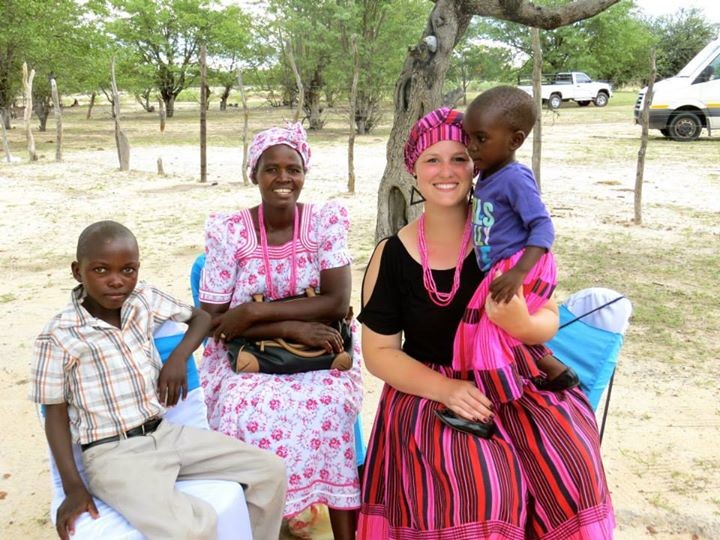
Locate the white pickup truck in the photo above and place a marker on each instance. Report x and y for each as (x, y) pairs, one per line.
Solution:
(575, 86)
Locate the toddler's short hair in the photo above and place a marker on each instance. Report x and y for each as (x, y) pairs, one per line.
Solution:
(516, 106)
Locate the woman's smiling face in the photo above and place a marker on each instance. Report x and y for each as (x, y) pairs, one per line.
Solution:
(280, 175)
(444, 172)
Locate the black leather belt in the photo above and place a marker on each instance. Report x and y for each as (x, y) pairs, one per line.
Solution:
(145, 429)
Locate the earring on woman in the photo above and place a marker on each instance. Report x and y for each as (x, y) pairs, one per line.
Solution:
(413, 200)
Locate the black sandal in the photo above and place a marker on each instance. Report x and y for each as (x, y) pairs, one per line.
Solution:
(479, 429)
(565, 381)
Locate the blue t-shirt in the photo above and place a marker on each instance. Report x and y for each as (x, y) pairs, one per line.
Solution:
(508, 215)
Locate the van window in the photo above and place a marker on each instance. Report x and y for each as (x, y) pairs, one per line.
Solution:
(710, 73)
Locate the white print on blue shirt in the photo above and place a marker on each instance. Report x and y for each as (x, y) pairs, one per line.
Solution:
(482, 222)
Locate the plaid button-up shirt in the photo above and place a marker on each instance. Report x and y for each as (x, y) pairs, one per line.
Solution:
(108, 376)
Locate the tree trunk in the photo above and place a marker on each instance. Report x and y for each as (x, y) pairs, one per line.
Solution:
(417, 92)
(203, 114)
(58, 120)
(644, 121)
(313, 107)
(419, 88)
(91, 105)
(143, 98)
(351, 114)
(537, 95)
(27, 80)
(6, 146)
(5, 113)
(246, 117)
(224, 97)
(169, 98)
(121, 141)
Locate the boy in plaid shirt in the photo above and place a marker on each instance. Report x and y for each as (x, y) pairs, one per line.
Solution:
(96, 370)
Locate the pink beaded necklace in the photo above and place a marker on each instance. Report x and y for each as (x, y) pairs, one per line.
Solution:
(441, 299)
(266, 257)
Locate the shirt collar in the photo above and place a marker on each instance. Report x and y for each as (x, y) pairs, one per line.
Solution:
(76, 315)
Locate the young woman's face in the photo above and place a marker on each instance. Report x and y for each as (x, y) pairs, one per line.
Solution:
(444, 173)
(109, 273)
(280, 175)
(492, 141)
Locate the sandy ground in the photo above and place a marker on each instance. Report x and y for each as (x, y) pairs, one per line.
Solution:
(661, 445)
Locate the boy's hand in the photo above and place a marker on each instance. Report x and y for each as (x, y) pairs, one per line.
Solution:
(506, 285)
(172, 383)
(75, 504)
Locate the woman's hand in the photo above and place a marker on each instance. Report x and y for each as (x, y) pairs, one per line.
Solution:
(232, 323)
(467, 401)
(315, 335)
(512, 316)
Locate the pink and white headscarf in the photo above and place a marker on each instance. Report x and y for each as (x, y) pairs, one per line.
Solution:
(292, 135)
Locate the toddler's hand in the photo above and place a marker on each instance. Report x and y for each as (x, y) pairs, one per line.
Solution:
(506, 285)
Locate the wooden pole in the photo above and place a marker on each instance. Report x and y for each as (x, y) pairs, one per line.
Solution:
(351, 114)
(298, 81)
(161, 113)
(6, 146)
(203, 114)
(537, 94)
(246, 118)
(121, 141)
(58, 120)
(27, 80)
(644, 122)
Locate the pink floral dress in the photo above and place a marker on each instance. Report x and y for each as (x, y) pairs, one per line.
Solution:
(305, 418)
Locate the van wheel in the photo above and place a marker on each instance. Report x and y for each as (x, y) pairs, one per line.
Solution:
(554, 101)
(601, 99)
(583, 103)
(685, 126)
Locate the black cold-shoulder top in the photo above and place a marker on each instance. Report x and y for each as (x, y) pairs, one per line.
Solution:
(400, 302)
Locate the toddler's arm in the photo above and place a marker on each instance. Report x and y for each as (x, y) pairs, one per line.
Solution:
(504, 287)
(77, 497)
(172, 383)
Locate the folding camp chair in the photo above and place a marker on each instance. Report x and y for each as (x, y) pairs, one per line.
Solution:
(227, 498)
(592, 328)
(195, 275)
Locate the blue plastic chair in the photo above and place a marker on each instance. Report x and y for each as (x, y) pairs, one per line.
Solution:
(195, 275)
(592, 327)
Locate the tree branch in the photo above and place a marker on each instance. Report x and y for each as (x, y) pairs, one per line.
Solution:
(529, 14)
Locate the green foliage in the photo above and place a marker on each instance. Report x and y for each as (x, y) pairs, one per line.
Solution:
(53, 38)
(612, 45)
(679, 37)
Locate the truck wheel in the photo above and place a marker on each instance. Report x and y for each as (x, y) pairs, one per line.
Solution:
(665, 132)
(685, 126)
(601, 99)
(554, 101)
(583, 103)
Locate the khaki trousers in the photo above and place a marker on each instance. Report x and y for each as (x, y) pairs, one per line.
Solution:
(137, 477)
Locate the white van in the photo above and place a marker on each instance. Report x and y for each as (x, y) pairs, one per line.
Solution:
(683, 105)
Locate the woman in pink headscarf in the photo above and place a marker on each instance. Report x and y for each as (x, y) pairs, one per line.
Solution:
(278, 249)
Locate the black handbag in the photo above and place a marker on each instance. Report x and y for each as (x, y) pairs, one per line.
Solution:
(278, 356)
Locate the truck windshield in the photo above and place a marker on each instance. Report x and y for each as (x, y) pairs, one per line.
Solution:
(700, 59)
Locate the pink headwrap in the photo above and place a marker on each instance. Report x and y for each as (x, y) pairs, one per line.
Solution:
(442, 124)
(292, 135)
